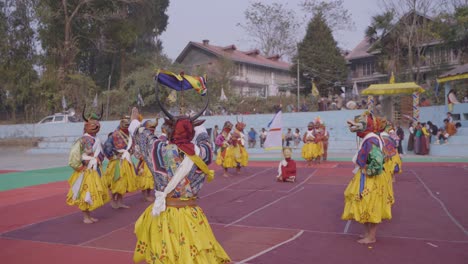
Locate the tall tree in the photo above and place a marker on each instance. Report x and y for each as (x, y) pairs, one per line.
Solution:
(18, 60)
(272, 28)
(333, 12)
(452, 26)
(413, 31)
(320, 57)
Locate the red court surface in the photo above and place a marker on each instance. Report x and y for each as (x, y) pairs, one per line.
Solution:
(257, 220)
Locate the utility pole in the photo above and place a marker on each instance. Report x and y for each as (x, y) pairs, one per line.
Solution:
(298, 82)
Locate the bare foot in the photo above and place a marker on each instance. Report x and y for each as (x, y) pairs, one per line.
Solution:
(363, 235)
(94, 219)
(149, 199)
(226, 175)
(114, 204)
(87, 221)
(366, 240)
(121, 205)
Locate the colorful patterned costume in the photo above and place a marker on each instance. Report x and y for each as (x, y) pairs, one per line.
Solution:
(392, 163)
(313, 146)
(87, 191)
(145, 179)
(120, 174)
(233, 152)
(368, 199)
(174, 229)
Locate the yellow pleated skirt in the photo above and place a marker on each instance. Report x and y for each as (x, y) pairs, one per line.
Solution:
(312, 150)
(120, 176)
(375, 202)
(233, 156)
(145, 180)
(92, 192)
(177, 235)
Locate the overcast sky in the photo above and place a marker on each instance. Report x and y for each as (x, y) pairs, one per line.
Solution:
(216, 20)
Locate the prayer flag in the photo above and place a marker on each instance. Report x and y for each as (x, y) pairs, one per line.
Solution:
(274, 135)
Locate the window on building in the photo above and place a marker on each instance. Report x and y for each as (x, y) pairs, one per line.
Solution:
(368, 68)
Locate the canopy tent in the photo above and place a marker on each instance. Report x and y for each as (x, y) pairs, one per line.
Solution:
(393, 89)
(459, 73)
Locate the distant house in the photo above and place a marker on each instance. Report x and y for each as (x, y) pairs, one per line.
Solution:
(367, 66)
(254, 75)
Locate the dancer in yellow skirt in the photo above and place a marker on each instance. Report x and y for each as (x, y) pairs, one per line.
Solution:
(120, 174)
(228, 156)
(145, 181)
(174, 229)
(392, 163)
(87, 191)
(369, 195)
(236, 155)
(313, 148)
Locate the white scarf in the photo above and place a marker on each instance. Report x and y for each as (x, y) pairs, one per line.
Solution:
(125, 152)
(182, 171)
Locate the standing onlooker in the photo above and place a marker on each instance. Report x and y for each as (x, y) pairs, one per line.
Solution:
(424, 139)
(252, 138)
(417, 138)
(263, 135)
(410, 146)
(215, 135)
(401, 136)
(289, 137)
(433, 130)
(297, 138)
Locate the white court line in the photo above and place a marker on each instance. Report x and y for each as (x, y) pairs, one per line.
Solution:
(70, 245)
(346, 228)
(272, 248)
(441, 204)
(234, 183)
(348, 234)
(304, 181)
(263, 207)
(104, 235)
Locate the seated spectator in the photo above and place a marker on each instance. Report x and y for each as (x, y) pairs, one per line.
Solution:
(252, 138)
(446, 132)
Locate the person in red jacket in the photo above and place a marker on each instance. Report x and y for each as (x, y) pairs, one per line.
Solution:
(287, 167)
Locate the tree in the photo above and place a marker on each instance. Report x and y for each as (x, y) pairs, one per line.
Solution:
(319, 56)
(18, 56)
(452, 26)
(412, 32)
(272, 27)
(332, 11)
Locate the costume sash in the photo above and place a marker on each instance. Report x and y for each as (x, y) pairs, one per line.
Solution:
(362, 181)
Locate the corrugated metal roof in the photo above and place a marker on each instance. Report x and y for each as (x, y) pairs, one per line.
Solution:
(458, 70)
(360, 51)
(230, 52)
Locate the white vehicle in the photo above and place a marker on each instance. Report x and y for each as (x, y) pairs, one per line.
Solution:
(57, 118)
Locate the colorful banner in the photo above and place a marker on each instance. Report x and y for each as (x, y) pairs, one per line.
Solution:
(181, 82)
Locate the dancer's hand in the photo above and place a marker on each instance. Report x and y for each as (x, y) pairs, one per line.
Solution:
(135, 114)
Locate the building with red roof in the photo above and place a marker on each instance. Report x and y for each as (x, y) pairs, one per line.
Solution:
(253, 75)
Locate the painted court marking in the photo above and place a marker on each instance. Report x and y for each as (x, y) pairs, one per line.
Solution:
(272, 248)
(263, 207)
(441, 204)
(234, 183)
